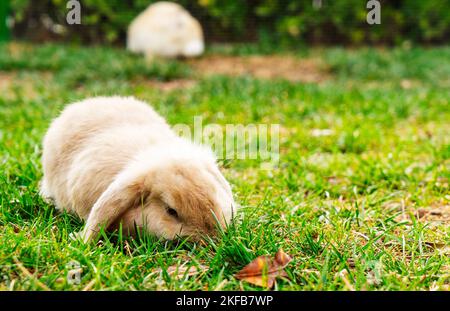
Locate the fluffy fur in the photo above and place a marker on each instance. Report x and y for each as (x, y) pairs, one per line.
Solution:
(114, 160)
(165, 29)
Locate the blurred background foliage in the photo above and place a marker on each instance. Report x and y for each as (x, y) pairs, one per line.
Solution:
(270, 21)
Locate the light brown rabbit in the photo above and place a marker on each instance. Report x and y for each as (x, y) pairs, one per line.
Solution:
(114, 160)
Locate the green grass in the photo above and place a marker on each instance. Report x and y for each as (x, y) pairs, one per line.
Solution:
(343, 206)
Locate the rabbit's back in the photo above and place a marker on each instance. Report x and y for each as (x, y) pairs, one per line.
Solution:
(90, 143)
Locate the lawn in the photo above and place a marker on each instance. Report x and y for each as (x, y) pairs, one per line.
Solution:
(359, 199)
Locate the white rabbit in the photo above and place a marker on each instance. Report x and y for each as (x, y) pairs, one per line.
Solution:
(165, 29)
(114, 160)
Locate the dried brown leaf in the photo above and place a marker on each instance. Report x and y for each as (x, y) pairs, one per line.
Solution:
(263, 270)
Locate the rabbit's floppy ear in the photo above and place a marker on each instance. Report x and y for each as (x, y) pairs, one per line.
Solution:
(124, 192)
(213, 170)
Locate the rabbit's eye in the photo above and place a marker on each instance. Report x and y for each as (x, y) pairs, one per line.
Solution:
(172, 212)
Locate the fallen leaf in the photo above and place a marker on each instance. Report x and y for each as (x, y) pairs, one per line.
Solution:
(263, 270)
